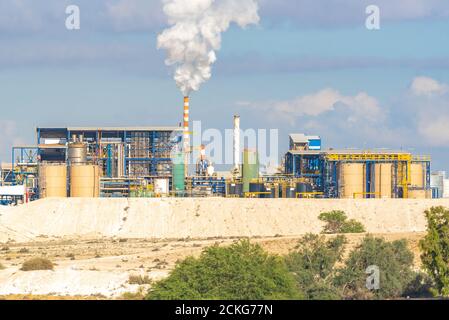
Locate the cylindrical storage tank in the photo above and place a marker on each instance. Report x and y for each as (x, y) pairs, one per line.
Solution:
(53, 181)
(352, 180)
(289, 191)
(77, 153)
(271, 189)
(302, 187)
(383, 180)
(235, 189)
(417, 175)
(84, 181)
(255, 187)
(178, 172)
(417, 194)
(250, 168)
(161, 186)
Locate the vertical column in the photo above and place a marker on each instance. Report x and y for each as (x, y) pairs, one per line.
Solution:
(186, 133)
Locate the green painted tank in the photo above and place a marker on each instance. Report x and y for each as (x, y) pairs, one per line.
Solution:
(250, 168)
(178, 172)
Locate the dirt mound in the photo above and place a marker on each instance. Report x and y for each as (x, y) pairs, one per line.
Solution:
(171, 218)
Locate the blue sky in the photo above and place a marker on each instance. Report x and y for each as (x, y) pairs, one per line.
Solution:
(309, 66)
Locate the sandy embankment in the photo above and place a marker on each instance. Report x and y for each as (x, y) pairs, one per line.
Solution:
(165, 230)
(202, 218)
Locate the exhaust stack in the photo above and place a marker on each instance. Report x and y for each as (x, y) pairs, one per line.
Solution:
(186, 136)
(236, 142)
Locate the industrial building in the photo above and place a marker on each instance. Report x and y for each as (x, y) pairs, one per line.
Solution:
(149, 162)
(153, 162)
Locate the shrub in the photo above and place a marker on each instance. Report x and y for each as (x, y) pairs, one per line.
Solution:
(37, 264)
(139, 279)
(240, 271)
(336, 222)
(435, 249)
(313, 264)
(24, 250)
(394, 261)
(2, 267)
(420, 287)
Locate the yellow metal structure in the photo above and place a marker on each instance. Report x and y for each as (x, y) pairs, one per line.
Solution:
(369, 157)
(356, 194)
(308, 194)
(255, 194)
(404, 161)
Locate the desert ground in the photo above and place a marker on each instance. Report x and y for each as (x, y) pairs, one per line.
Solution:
(98, 245)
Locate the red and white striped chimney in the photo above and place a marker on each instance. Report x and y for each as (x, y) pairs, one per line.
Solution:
(186, 130)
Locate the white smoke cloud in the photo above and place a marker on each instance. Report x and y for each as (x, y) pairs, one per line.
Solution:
(195, 35)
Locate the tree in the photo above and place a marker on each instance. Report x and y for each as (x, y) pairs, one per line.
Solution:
(336, 222)
(240, 271)
(394, 261)
(435, 249)
(313, 264)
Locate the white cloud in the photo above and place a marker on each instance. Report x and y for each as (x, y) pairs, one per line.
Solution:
(436, 131)
(425, 86)
(327, 100)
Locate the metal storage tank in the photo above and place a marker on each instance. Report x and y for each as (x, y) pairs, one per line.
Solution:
(250, 168)
(417, 194)
(256, 187)
(84, 181)
(352, 180)
(289, 191)
(302, 187)
(53, 181)
(178, 172)
(77, 153)
(383, 180)
(161, 186)
(271, 189)
(417, 175)
(235, 189)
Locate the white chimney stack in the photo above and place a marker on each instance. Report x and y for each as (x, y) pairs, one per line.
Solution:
(236, 142)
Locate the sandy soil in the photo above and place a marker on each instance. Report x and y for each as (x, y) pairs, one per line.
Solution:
(100, 268)
(97, 244)
(173, 218)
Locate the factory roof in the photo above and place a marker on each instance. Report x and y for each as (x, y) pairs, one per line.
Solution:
(346, 151)
(152, 128)
(302, 138)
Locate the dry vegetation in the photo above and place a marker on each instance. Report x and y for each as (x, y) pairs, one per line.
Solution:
(37, 264)
(146, 260)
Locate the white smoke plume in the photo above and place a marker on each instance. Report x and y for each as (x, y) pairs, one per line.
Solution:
(195, 35)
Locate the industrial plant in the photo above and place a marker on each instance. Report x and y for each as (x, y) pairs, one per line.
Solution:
(153, 162)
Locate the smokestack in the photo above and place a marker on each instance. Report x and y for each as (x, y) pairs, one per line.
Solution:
(186, 131)
(236, 142)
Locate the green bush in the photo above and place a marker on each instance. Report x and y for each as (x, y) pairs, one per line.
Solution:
(395, 263)
(37, 264)
(435, 249)
(240, 271)
(313, 264)
(336, 222)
